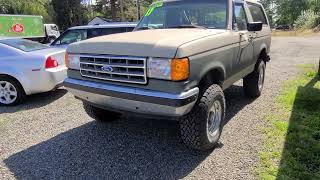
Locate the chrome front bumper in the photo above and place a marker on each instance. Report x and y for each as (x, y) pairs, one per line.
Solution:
(134, 100)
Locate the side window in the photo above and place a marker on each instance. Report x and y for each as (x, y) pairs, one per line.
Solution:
(257, 13)
(240, 18)
(108, 31)
(55, 28)
(93, 33)
(73, 36)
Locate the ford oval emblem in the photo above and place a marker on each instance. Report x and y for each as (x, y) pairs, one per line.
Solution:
(107, 68)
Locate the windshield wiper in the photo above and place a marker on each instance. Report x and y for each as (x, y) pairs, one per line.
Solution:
(187, 26)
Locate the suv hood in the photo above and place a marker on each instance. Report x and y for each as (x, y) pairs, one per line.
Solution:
(148, 43)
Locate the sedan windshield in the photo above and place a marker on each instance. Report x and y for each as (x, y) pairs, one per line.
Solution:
(24, 45)
(186, 14)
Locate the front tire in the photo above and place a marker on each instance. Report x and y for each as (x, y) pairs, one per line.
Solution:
(11, 91)
(201, 128)
(254, 82)
(99, 114)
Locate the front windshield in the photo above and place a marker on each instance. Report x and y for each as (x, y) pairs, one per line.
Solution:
(183, 14)
(24, 45)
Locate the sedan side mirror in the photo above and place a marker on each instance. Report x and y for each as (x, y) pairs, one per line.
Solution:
(255, 26)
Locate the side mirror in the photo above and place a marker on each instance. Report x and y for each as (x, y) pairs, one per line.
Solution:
(255, 26)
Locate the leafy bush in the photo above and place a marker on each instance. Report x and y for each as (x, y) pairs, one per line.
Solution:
(307, 20)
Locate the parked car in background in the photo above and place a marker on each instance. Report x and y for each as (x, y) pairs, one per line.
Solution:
(283, 27)
(52, 32)
(79, 33)
(28, 67)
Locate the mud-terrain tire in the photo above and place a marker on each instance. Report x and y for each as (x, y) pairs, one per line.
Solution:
(194, 127)
(16, 94)
(253, 83)
(99, 114)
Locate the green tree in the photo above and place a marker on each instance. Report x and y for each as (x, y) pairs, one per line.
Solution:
(26, 7)
(315, 5)
(289, 10)
(69, 13)
(110, 9)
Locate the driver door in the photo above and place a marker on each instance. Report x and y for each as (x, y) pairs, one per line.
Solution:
(246, 48)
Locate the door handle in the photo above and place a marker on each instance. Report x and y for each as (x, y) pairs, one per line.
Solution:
(250, 37)
(247, 36)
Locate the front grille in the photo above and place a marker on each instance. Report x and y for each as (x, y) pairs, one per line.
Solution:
(114, 68)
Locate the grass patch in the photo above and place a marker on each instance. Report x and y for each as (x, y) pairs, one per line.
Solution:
(300, 33)
(292, 137)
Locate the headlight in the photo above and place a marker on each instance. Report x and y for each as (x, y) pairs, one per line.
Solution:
(169, 69)
(159, 68)
(72, 61)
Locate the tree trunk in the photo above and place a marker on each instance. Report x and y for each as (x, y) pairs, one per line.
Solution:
(138, 10)
(113, 10)
(121, 10)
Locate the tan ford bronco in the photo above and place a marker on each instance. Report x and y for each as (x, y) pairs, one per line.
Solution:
(175, 65)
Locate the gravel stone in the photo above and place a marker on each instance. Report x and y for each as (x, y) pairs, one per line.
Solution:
(51, 137)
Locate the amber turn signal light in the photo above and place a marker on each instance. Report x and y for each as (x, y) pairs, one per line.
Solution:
(179, 69)
(66, 60)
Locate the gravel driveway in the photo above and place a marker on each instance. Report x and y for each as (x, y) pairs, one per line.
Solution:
(50, 136)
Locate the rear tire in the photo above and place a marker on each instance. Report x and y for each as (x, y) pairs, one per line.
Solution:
(253, 83)
(201, 128)
(99, 114)
(11, 91)
(51, 39)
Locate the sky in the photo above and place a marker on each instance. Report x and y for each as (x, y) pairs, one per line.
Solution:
(89, 1)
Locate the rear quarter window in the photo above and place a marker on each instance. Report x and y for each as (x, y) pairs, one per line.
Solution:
(257, 13)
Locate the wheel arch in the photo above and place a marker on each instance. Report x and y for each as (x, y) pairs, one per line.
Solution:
(213, 76)
(263, 55)
(15, 79)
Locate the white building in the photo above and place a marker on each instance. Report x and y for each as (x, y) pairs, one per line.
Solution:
(99, 20)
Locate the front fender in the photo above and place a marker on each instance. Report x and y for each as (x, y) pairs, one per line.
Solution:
(215, 65)
(201, 64)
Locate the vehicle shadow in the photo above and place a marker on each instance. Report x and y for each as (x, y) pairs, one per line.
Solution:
(131, 148)
(35, 101)
(300, 156)
(235, 101)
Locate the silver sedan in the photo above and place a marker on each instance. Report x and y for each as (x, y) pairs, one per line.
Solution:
(28, 67)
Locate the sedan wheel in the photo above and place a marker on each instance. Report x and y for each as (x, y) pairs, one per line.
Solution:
(8, 93)
(11, 91)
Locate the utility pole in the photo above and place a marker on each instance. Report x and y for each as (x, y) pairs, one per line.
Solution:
(319, 69)
(138, 10)
(121, 9)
